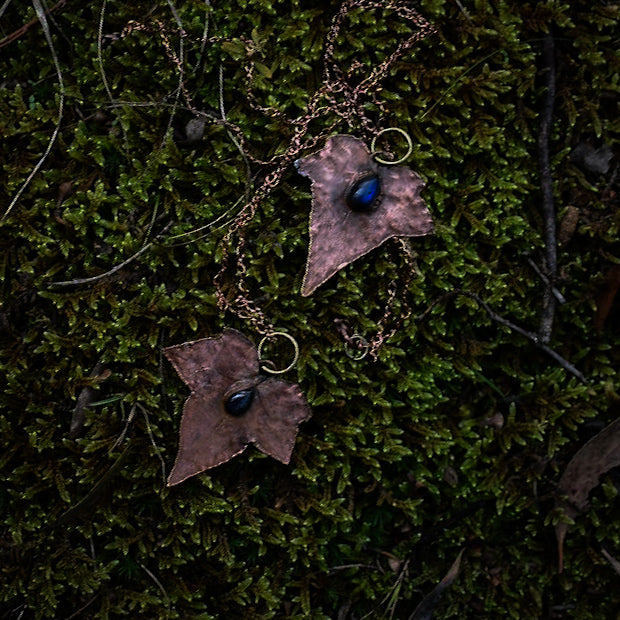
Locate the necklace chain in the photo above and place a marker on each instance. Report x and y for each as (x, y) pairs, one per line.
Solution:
(338, 96)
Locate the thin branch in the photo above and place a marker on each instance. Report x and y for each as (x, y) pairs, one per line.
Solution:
(546, 181)
(99, 55)
(157, 582)
(534, 338)
(81, 609)
(335, 569)
(206, 227)
(248, 170)
(41, 16)
(4, 7)
(121, 437)
(556, 293)
(20, 31)
(610, 558)
(464, 11)
(92, 497)
(101, 276)
(205, 33)
(181, 61)
(157, 450)
(107, 274)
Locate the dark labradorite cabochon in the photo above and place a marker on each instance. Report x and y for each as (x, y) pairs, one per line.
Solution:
(238, 403)
(364, 193)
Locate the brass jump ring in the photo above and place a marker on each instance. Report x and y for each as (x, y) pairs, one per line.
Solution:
(375, 154)
(273, 371)
(365, 348)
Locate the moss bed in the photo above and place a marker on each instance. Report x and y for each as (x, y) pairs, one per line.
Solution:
(454, 439)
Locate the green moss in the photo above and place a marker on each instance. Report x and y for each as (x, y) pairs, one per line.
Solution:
(455, 438)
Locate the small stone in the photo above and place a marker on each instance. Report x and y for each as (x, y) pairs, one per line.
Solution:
(238, 403)
(194, 130)
(363, 195)
(597, 160)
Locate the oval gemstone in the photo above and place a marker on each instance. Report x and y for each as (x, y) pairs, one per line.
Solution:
(238, 403)
(364, 193)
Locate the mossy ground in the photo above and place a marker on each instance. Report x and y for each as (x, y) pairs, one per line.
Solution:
(456, 438)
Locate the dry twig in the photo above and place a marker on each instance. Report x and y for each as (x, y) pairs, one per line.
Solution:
(107, 274)
(20, 31)
(41, 16)
(546, 181)
(532, 337)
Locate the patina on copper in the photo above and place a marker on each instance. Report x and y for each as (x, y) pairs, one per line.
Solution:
(339, 234)
(215, 369)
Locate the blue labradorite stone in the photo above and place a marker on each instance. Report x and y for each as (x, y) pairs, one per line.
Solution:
(239, 402)
(362, 196)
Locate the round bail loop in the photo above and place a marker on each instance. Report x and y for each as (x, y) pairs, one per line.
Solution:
(274, 371)
(364, 347)
(375, 154)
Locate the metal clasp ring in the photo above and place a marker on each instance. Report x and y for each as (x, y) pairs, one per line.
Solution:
(375, 154)
(273, 371)
(365, 347)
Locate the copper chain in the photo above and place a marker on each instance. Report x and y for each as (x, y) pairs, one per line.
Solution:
(338, 96)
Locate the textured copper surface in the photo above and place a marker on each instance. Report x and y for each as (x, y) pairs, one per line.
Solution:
(212, 368)
(338, 235)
